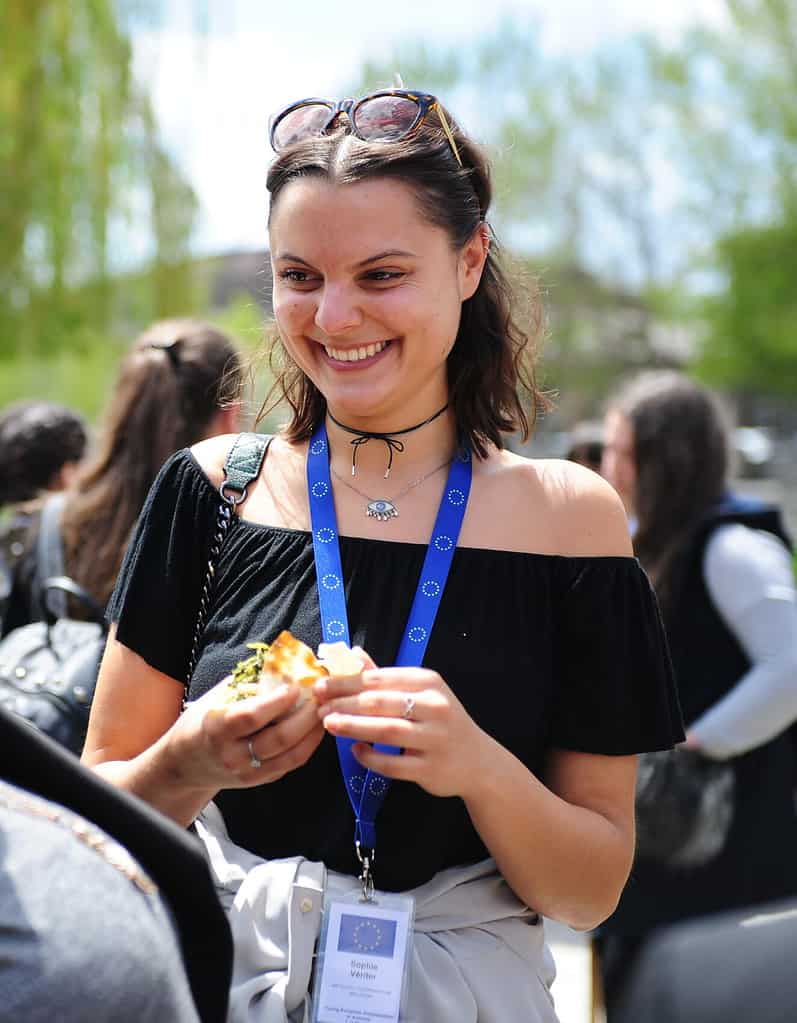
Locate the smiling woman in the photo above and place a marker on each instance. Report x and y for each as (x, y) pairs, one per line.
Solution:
(513, 660)
(366, 326)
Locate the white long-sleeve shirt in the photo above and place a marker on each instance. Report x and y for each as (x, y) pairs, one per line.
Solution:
(750, 579)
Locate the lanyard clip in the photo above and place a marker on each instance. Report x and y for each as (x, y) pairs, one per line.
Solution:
(366, 858)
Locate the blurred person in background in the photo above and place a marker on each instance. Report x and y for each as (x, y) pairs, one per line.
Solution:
(179, 384)
(721, 566)
(585, 445)
(41, 446)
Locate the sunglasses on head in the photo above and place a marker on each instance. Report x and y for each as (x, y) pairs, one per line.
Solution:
(386, 116)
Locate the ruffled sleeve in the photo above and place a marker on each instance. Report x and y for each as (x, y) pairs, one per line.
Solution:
(615, 691)
(156, 600)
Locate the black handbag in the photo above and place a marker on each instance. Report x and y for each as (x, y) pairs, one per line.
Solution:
(684, 807)
(48, 669)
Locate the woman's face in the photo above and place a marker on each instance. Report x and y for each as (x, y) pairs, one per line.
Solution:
(368, 295)
(617, 463)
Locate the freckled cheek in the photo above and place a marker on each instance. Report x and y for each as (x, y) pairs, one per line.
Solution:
(292, 315)
(429, 310)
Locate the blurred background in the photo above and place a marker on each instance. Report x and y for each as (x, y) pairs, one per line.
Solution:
(645, 161)
(645, 169)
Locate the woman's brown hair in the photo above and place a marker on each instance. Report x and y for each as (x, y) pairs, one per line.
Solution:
(681, 455)
(493, 353)
(176, 377)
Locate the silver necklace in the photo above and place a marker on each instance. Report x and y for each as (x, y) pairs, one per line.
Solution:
(380, 508)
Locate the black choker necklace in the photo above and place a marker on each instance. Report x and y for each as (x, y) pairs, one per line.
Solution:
(363, 436)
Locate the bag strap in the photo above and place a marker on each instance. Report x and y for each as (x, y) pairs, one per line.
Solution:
(244, 463)
(241, 468)
(62, 584)
(50, 558)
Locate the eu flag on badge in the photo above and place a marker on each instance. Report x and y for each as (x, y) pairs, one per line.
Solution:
(367, 935)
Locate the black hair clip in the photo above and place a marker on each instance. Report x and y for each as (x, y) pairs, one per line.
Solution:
(171, 349)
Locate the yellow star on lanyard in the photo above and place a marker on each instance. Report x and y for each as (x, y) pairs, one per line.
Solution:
(367, 936)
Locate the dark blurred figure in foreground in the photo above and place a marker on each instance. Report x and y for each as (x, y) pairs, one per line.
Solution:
(721, 566)
(731, 966)
(107, 909)
(585, 445)
(179, 384)
(41, 446)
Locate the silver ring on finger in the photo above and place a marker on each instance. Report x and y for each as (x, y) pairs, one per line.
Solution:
(409, 707)
(254, 759)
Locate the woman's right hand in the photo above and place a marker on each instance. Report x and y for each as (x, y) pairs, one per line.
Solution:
(210, 742)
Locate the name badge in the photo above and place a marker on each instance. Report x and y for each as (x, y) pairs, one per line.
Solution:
(363, 961)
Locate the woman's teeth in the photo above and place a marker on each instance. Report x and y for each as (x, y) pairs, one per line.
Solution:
(355, 354)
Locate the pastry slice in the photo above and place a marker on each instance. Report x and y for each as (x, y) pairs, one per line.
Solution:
(288, 660)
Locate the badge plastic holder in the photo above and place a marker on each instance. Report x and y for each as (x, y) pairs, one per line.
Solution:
(362, 965)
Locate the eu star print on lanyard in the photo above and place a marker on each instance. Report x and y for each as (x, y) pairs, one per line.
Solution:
(367, 790)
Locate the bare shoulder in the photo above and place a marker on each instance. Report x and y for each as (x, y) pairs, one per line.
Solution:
(588, 512)
(573, 511)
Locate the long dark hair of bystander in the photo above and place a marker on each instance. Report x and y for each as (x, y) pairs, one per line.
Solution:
(175, 380)
(681, 438)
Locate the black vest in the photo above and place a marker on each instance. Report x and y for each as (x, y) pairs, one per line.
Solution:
(708, 658)
(759, 861)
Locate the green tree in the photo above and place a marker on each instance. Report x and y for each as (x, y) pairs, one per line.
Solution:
(80, 161)
(732, 96)
(751, 344)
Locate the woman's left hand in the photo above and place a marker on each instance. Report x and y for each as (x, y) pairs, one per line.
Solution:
(414, 709)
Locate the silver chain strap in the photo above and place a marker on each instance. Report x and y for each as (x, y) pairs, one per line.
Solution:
(223, 520)
(227, 506)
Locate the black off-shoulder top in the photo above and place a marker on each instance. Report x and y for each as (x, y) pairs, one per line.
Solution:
(542, 650)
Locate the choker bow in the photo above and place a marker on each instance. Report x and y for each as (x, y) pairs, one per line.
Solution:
(363, 436)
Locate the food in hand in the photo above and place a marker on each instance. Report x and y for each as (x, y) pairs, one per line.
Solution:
(288, 660)
(340, 659)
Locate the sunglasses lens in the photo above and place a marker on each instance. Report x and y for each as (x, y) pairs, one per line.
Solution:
(301, 123)
(385, 117)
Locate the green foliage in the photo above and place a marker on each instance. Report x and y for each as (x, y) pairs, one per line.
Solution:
(413, 62)
(82, 375)
(752, 339)
(243, 318)
(78, 377)
(82, 169)
(732, 96)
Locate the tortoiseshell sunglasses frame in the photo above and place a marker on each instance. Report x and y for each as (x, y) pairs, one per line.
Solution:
(424, 101)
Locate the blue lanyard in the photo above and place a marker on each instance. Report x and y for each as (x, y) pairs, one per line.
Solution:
(367, 790)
